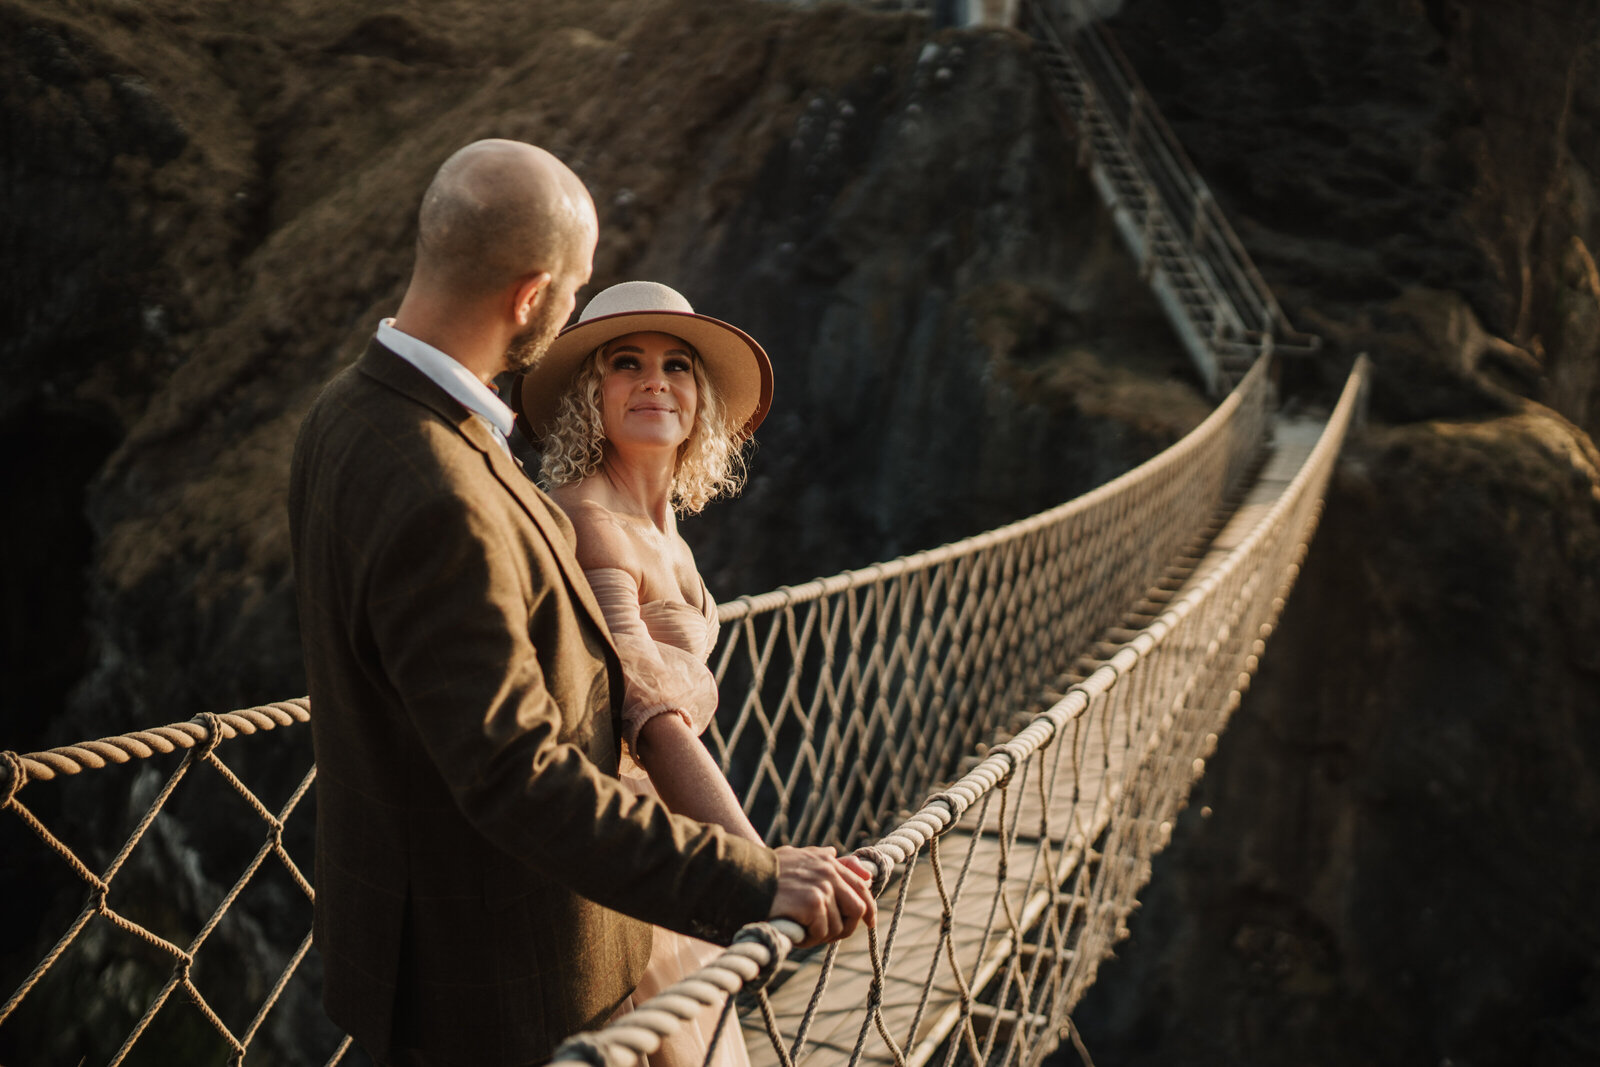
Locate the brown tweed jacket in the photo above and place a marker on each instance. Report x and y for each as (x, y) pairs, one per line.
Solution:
(474, 849)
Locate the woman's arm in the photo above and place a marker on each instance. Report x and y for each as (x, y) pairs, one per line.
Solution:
(687, 778)
(667, 746)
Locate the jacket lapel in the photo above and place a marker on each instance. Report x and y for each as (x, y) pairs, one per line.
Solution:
(391, 370)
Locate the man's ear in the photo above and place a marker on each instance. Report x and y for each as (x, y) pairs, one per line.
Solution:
(529, 292)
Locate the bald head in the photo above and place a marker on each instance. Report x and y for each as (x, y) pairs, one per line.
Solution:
(498, 211)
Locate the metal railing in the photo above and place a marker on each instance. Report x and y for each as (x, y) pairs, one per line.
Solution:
(1221, 306)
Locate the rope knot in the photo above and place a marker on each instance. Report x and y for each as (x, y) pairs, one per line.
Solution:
(213, 727)
(882, 866)
(16, 775)
(954, 801)
(1012, 759)
(765, 934)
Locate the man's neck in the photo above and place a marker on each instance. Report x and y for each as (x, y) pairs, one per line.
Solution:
(458, 335)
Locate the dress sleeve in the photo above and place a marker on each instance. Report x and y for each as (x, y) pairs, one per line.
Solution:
(658, 677)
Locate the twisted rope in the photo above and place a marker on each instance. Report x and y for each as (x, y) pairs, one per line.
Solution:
(204, 729)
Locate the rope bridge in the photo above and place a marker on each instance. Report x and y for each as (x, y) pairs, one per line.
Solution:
(1002, 728)
(872, 685)
(1010, 884)
(849, 703)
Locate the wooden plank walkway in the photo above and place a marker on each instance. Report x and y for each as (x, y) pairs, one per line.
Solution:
(1087, 767)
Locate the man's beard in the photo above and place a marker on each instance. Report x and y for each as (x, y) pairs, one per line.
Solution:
(529, 346)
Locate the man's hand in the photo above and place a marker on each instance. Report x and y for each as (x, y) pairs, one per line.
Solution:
(826, 895)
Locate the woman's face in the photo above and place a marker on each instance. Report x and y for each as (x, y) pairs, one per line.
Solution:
(648, 396)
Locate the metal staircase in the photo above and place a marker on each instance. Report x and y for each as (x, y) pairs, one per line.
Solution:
(1217, 301)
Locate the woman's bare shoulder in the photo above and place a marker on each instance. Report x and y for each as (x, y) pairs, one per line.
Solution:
(605, 538)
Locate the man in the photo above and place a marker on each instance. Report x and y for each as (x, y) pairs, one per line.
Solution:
(483, 882)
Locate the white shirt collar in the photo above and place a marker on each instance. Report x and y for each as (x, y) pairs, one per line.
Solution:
(452, 377)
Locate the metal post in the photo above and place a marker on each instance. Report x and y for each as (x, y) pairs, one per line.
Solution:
(1134, 109)
(1086, 126)
(1145, 226)
(1202, 204)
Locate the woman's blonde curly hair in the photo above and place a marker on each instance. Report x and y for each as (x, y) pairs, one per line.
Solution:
(710, 462)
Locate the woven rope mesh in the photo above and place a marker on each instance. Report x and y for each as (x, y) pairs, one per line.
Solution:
(845, 699)
(147, 963)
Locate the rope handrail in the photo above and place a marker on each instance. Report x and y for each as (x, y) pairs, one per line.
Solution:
(161, 740)
(843, 698)
(1214, 423)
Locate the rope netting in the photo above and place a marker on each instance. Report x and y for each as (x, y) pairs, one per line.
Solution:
(149, 939)
(845, 699)
(1012, 883)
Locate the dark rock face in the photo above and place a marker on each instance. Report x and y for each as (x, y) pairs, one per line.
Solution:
(1365, 150)
(77, 129)
(1391, 856)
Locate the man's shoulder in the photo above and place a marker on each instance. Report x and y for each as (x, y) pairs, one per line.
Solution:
(356, 390)
(363, 438)
(355, 406)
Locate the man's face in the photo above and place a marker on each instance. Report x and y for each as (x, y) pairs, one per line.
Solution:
(529, 345)
(553, 311)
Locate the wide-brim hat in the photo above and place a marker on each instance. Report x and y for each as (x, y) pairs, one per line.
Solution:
(736, 365)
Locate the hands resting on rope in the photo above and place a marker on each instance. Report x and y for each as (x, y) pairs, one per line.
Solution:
(827, 895)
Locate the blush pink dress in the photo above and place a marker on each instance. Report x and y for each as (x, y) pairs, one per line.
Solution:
(663, 645)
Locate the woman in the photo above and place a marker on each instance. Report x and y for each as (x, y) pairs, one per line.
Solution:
(641, 408)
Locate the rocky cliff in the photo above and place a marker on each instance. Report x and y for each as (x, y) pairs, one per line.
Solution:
(1391, 858)
(208, 208)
